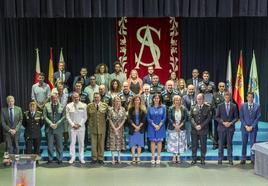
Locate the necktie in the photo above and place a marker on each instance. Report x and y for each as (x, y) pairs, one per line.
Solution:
(32, 114)
(11, 118)
(97, 107)
(227, 108)
(250, 108)
(146, 100)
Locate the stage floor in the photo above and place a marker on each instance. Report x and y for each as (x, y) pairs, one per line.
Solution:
(144, 174)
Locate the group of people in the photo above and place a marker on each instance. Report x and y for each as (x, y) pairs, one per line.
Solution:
(100, 108)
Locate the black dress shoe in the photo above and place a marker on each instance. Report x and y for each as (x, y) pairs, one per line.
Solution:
(193, 162)
(101, 162)
(219, 162)
(231, 162)
(37, 162)
(59, 162)
(243, 162)
(49, 162)
(203, 162)
(252, 162)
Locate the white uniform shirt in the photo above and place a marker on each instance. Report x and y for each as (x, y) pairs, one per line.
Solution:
(76, 113)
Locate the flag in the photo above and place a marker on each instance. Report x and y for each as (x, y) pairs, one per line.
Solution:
(239, 84)
(229, 74)
(37, 66)
(253, 84)
(50, 70)
(61, 56)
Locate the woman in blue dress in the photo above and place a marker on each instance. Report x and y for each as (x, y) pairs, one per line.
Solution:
(156, 118)
(136, 122)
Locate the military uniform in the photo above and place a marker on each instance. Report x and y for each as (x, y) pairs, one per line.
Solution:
(199, 116)
(54, 114)
(32, 122)
(97, 124)
(125, 98)
(156, 89)
(167, 97)
(207, 88)
(106, 98)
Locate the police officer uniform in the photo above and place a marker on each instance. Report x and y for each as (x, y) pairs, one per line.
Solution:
(199, 115)
(106, 98)
(156, 89)
(125, 98)
(32, 122)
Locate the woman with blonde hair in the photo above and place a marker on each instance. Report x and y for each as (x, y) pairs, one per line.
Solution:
(182, 89)
(116, 118)
(137, 126)
(135, 83)
(102, 76)
(177, 142)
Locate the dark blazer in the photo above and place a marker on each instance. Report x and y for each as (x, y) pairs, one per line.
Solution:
(200, 117)
(190, 81)
(67, 83)
(32, 124)
(147, 80)
(150, 99)
(171, 117)
(250, 118)
(221, 116)
(18, 117)
(131, 119)
(86, 81)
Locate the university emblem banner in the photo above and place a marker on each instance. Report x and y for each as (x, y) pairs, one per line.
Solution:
(142, 42)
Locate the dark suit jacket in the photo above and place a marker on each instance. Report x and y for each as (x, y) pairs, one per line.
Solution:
(86, 81)
(131, 119)
(190, 81)
(171, 117)
(200, 117)
(67, 82)
(221, 116)
(187, 101)
(150, 99)
(147, 80)
(250, 118)
(17, 119)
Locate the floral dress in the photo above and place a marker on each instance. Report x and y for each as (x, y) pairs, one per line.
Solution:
(116, 141)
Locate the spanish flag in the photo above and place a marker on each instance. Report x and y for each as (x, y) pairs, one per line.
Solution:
(50, 70)
(239, 84)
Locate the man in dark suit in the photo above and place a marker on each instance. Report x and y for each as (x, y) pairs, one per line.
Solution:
(226, 115)
(148, 78)
(11, 118)
(195, 79)
(200, 115)
(54, 116)
(217, 100)
(82, 78)
(63, 75)
(250, 114)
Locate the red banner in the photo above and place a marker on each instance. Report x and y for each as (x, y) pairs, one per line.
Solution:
(142, 42)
